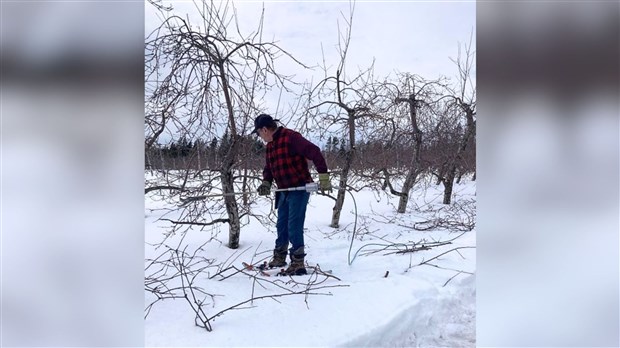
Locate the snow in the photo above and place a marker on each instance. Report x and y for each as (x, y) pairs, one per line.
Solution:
(428, 305)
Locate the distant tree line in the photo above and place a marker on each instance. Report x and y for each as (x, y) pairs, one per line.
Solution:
(203, 154)
(373, 155)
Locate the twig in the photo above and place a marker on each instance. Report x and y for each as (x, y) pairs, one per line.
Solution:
(444, 253)
(305, 291)
(446, 283)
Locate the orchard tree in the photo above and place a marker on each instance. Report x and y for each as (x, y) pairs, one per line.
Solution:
(345, 101)
(202, 80)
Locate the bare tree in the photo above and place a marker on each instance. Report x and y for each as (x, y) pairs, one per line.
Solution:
(464, 101)
(416, 100)
(202, 82)
(345, 102)
(414, 167)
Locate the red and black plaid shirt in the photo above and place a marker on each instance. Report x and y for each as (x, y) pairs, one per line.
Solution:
(287, 159)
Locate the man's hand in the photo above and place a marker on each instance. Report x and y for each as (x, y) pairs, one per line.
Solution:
(265, 188)
(324, 184)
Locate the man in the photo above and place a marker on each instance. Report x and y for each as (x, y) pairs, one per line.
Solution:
(287, 163)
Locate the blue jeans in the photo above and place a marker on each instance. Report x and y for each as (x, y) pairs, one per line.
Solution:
(291, 216)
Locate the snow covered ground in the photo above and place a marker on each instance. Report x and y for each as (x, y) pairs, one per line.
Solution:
(428, 305)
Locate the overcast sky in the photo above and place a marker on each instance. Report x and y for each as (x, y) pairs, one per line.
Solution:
(414, 37)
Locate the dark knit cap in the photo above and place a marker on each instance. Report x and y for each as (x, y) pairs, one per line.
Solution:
(263, 120)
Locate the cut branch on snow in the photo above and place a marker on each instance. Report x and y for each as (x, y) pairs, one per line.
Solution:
(164, 187)
(194, 223)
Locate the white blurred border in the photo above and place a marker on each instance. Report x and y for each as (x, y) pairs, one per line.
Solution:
(548, 171)
(72, 174)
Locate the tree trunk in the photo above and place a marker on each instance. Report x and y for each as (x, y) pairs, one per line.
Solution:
(341, 190)
(199, 165)
(147, 160)
(231, 209)
(345, 171)
(244, 187)
(440, 176)
(338, 206)
(407, 185)
(414, 168)
(414, 165)
(451, 172)
(448, 184)
(229, 159)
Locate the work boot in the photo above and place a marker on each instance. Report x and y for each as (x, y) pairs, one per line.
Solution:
(297, 266)
(279, 258)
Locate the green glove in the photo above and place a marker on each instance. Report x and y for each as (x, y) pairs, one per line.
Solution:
(265, 188)
(324, 184)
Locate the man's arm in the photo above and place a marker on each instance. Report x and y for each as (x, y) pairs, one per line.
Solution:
(267, 175)
(302, 146)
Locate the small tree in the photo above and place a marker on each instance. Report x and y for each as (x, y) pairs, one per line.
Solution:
(345, 102)
(413, 103)
(463, 102)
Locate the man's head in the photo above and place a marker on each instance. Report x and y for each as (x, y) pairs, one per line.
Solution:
(265, 126)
